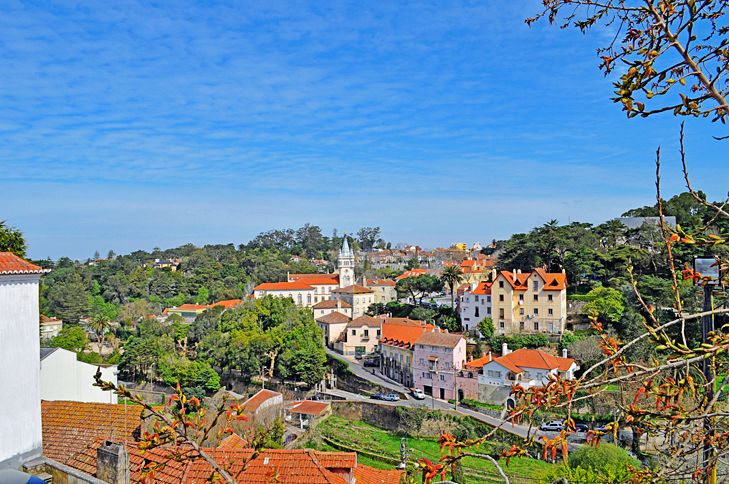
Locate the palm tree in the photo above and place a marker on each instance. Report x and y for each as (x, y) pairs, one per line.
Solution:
(451, 277)
(100, 326)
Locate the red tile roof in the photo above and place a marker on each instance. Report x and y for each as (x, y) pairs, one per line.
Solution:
(527, 358)
(283, 286)
(192, 307)
(12, 264)
(333, 318)
(316, 279)
(369, 475)
(308, 407)
(479, 362)
(403, 335)
(445, 340)
(380, 282)
(228, 303)
(412, 273)
(70, 427)
(553, 281)
(482, 288)
(300, 466)
(364, 321)
(353, 289)
(331, 304)
(252, 404)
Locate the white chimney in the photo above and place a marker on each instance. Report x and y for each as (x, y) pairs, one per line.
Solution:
(493, 275)
(504, 349)
(473, 285)
(564, 353)
(489, 355)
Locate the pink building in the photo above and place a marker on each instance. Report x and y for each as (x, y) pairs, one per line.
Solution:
(468, 377)
(437, 359)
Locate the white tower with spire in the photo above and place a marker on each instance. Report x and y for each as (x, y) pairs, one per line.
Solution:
(346, 265)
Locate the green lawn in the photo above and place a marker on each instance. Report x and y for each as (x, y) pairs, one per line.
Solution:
(364, 437)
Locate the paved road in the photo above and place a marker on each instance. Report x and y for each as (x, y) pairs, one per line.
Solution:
(366, 374)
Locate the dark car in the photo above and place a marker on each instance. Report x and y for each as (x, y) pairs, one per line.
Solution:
(378, 396)
(358, 356)
(580, 427)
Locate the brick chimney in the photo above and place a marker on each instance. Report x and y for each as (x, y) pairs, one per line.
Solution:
(112, 463)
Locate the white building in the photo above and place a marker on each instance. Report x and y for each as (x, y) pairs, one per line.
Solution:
(20, 400)
(63, 377)
(475, 305)
(50, 327)
(528, 368)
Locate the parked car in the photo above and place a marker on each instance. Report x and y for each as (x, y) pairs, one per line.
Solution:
(391, 397)
(358, 356)
(554, 426)
(418, 394)
(580, 427)
(379, 396)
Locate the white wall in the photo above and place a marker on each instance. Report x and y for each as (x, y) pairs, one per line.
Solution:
(20, 412)
(63, 377)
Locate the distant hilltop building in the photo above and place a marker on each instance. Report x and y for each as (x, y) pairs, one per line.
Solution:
(309, 290)
(633, 223)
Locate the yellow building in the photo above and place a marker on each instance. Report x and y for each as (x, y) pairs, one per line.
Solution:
(529, 302)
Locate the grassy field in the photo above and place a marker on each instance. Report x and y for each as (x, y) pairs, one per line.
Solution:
(364, 437)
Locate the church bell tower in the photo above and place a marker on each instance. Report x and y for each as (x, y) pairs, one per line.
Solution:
(345, 262)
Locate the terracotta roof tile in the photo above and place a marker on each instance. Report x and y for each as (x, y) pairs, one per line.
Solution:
(252, 404)
(70, 427)
(527, 358)
(353, 289)
(283, 286)
(445, 340)
(412, 273)
(482, 288)
(380, 282)
(369, 475)
(331, 304)
(403, 335)
(308, 407)
(333, 318)
(12, 264)
(316, 279)
(364, 321)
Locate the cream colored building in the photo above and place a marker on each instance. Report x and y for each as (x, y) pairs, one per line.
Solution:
(332, 326)
(384, 290)
(529, 302)
(301, 293)
(359, 297)
(361, 336)
(332, 306)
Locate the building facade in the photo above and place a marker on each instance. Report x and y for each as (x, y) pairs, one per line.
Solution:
(526, 367)
(474, 305)
(437, 359)
(63, 377)
(361, 336)
(20, 399)
(397, 347)
(529, 302)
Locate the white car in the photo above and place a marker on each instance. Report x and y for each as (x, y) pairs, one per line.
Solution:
(554, 426)
(418, 394)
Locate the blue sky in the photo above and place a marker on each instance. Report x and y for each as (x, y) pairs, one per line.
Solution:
(128, 125)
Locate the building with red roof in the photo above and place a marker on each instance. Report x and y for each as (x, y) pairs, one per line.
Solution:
(20, 424)
(526, 367)
(396, 347)
(474, 304)
(529, 302)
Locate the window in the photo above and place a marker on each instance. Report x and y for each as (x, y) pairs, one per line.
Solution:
(308, 299)
(501, 325)
(501, 297)
(501, 312)
(521, 311)
(354, 332)
(536, 311)
(536, 298)
(476, 298)
(488, 298)
(378, 332)
(549, 297)
(488, 310)
(536, 325)
(550, 311)
(466, 319)
(299, 298)
(521, 325)
(493, 374)
(366, 333)
(476, 314)
(501, 283)
(535, 285)
(422, 361)
(442, 377)
(521, 297)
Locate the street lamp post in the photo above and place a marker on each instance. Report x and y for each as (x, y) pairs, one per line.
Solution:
(708, 267)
